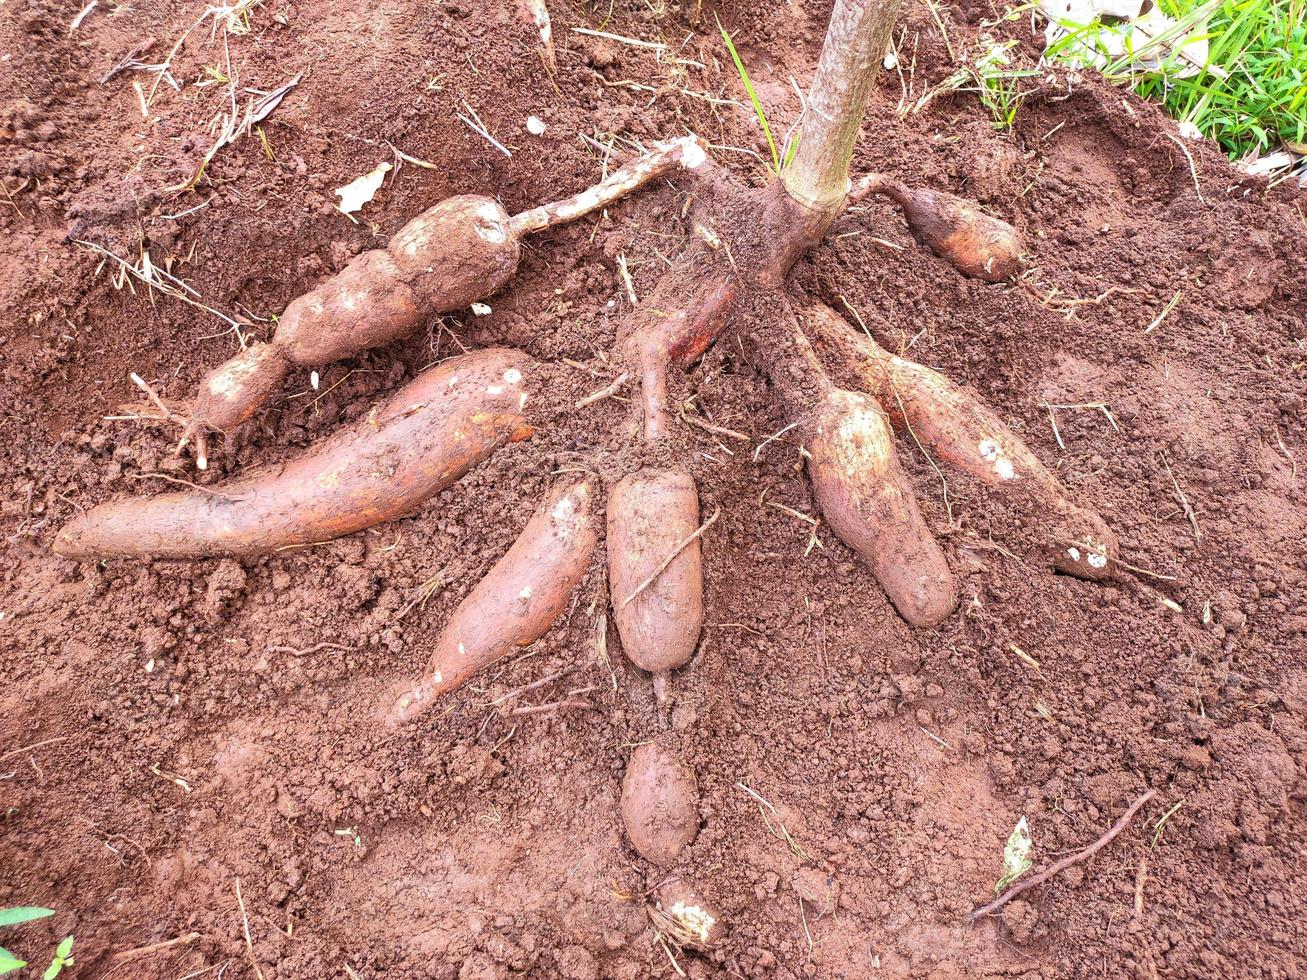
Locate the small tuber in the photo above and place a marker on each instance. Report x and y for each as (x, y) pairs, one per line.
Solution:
(660, 803)
(687, 916)
(976, 243)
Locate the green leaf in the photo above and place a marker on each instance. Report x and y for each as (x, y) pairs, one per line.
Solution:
(753, 96)
(1016, 855)
(26, 913)
(65, 949)
(9, 962)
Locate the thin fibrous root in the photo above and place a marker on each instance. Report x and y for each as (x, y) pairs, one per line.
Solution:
(955, 427)
(1065, 863)
(517, 602)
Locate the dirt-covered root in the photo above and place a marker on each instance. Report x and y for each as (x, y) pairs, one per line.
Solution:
(673, 326)
(660, 802)
(461, 250)
(857, 480)
(957, 429)
(655, 576)
(976, 243)
(424, 438)
(517, 602)
(867, 500)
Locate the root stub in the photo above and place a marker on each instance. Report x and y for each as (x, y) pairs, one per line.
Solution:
(423, 439)
(518, 600)
(660, 803)
(649, 514)
(867, 500)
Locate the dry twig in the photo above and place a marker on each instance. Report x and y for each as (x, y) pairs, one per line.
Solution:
(1065, 863)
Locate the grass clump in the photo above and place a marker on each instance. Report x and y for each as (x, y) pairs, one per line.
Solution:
(1249, 93)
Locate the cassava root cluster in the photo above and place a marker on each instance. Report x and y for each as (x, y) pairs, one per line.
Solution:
(453, 416)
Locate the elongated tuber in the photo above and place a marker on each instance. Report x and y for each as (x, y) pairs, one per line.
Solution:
(650, 513)
(956, 428)
(866, 498)
(423, 439)
(518, 600)
(461, 250)
(976, 243)
(660, 803)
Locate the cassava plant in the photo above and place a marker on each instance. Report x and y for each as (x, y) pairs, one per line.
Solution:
(732, 278)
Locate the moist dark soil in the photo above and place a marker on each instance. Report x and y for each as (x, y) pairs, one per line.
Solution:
(164, 749)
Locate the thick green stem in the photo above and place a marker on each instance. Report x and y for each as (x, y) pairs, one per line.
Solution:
(855, 45)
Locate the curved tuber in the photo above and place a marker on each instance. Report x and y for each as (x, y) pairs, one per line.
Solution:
(976, 243)
(420, 441)
(955, 427)
(518, 600)
(866, 498)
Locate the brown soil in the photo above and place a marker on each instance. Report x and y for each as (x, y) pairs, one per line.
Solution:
(160, 745)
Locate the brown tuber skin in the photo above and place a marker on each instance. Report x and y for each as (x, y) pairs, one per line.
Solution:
(957, 429)
(649, 514)
(448, 256)
(518, 600)
(867, 500)
(976, 243)
(423, 439)
(463, 249)
(660, 803)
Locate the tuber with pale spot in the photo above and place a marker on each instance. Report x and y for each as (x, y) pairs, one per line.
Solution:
(957, 429)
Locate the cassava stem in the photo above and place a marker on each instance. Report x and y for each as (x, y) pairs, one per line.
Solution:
(856, 40)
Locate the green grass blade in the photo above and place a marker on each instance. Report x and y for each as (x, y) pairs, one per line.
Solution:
(753, 96)
(9, 962)
(25, 913)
